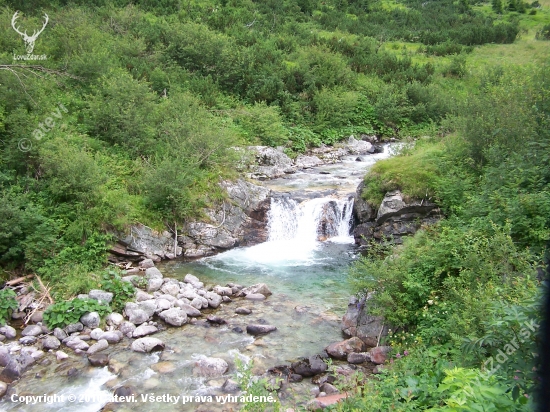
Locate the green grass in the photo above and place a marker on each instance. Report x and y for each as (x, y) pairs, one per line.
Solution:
(414, 172)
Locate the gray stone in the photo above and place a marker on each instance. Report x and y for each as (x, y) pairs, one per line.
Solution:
(197, 303)
(37, 316)
(59, 333)
(127, 328)
(96, 333)
(37, 354)
(223, 290)
(61, 355)
(8, 332)
(32, 330)
(257, 288)
(243, 311)
(256, 330)
(144, 330)
(114, 319)
(231, 386)
(189, 310)
(3, 388)
(146, 264)
(210, 367)
(153, 273)
(90, 320)
(379, 354)
(170, 289)
(328, 389)
(357, 322)
(147, 344)
(141, 296)
(101, 295)
(98, 359)
(174, 316)
(340, 350)
(312, 366)
(16, 367)
(214, 300)
(162, 305)
(255, 296)
(101, 344)
(5, 356)
(154, 284)
(50, 342)
(76, 343)
(72, 328)
(360, 357)
(112, 337)
(189, 278)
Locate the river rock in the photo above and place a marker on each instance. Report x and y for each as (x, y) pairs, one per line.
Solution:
(357, 358)
(73, 327)
(112, 337)
(3, 388)
(243, 311)
(312, 366)
(59, 333)
(223, 290)
(127, 328)
(28, 340)
(101, 344)
(340, 350)
(210, 367)
(4, 356)
(114, 319)
(214, 300)
(144, 330)
(358, 147)
(153, 273)
(189, 278)
(141, 295)
(306, 162)
(257, 288)
(101, 295)
(90, 320)
(8, 332)
(230, 386)
(256, 330)
(378, 355)
(16, 366)
(357, 322)
(174, 316)
(76, 343)
(322, 402)
(216, 320)
(328, 389)
(137, 316)
(147, 344)
(98, 359)
(162, 305)
(197, 303)
(189, 310)
(50, 342)
(255, 296)
(146, 264)
(32, 330)
(61, 355)
(170, 289)
(269, 163)
(154, 284)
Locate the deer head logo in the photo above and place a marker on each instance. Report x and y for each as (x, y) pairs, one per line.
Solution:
(29, 40)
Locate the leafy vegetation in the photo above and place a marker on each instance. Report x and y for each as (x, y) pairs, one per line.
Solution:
(7, 304)
(122, 291)
(68, 312)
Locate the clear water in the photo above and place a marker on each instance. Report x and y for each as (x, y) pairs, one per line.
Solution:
(308, 281)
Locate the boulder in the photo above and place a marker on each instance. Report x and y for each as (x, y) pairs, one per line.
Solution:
(4, 356)
(174, 316)
(147, 344)
(357, 358)
(305, 162)
(98, 359)
(111, 337)
(32, 330)
(101, 344)
(170, 289)
(214, 300)
(90, 320)
(3, 389)
(162, 305)
(311, 366)
(255, 296)
(146, 264)
(340, 350)
(144, 330)
(127, 328)
(223, 290)
(210, 367)
(197, 303)
(328, 389)
(72, 328)
(153, 273)
(269, 163)
(141, 295)
(154, 284)
(61, 355)
(101, 295)
(378, 355)
(243, 311)
(96, 333)
(358, 323)
(114, 319)
(189, 310)
(59, 333)
(16, 366)
(189, 278)
(8, 332)
(50, 342)
(257, 288)
(256, 329)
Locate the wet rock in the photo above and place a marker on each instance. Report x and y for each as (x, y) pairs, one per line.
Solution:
(135, 314)
(306, 162)
(125, 391)
(189, 278)
(16, 366)
(144, 330)
(4, 356)
(50, 342)
(314, 365)
(226, 299)
(190, 310)
(72, 372)
(257, 288)
(8, 332)
(32, 330)
(321, 403)
(214, 300)
(98, 359)
(230, 386)
(360, 357)
(90, 320)
(114, 319)
(96, 333)
(255, 296)
(72, 328)
(216, 320)
(243, 311)
(59, 333)
(340, 350)
(163, 304)
(37, 354)
(294, 378)
(170, 289)
(174, 316)
(197, 303)
(256, 329)
(3, 388)
(153, 273)
(270, 163)
(237, 329)
(37, 316)
(147, 344)
(127, 328)
(101, 295)
(101, 344)
(112, 337)
(223, 290)
(76, 343)
(329, 389)
(28, 340)
(61, 355)
(210, 367)
(164, 367)
(378, 355)
(146, 264)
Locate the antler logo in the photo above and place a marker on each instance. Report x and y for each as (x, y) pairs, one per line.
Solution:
(29, 40)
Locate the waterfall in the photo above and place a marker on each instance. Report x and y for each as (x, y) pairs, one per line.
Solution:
(311, 220)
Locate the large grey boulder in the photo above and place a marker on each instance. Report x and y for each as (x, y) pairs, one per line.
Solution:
(101, 344)
(256, 330)
(144, 330)
(153, 273)
(50, 342)
(16, 366)
(214, 300)
(32, 330)
(100, 295)
(260, 288)
(210, 367)
(90, 320)
(269, 163)
(8, 332)
(189, 310)
(174, 316)
(357, 322)
(147, 344)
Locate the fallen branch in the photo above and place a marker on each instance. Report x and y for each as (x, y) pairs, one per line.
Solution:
(18, 280)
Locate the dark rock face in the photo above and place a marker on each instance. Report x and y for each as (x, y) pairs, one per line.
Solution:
(394, 220)
(358, 323)
(16, 366)
(312, 366)
(256, 330)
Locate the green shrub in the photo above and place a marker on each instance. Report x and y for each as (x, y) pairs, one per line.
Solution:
(544, 33)
(68, 312)
(8, 304)
(122, 291)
